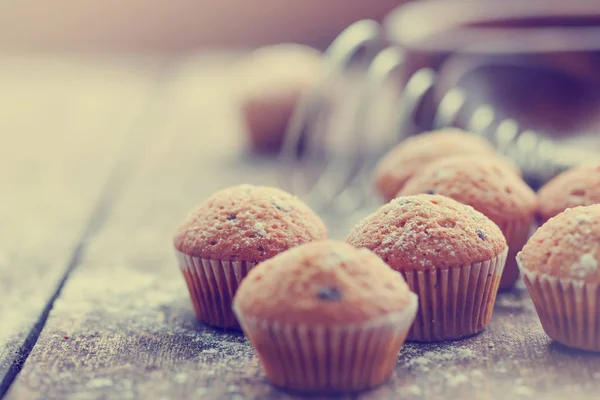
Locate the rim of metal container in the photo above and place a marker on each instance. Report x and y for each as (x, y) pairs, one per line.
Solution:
(414, 25)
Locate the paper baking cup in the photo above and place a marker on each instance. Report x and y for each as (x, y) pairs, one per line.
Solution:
(454, 302)
(329, 359)
(212, 285)
(569, 310)
(516, 234)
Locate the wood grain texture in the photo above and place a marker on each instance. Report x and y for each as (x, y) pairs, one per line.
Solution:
(124, 327)
(63, 124)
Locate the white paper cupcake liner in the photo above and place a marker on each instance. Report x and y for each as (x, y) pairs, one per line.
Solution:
(454, 302)
(516, 234)
(212, 285)
(329, 359)
(569, 310)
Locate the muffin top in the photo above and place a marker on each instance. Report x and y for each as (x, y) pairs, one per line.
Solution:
(325, 282)
(578, 186)
(248, 223)
(425, 232)
(278, 68)
(270, 81)
(404, 160)
(485, 184)
(567, 246)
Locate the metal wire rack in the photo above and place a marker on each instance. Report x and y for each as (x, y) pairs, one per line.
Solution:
(336, 175)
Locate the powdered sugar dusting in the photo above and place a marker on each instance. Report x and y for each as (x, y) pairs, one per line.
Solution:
(414, 390)
(447, 354)
(282, 205)
(583, 218)
(99, 383)
(401, 201)
(444, 364)
(458, 380)
(113, 313)
(118, 291)
(586, 265)
(511, 301)
(259, 228)
(476, 215)
(523, 391)
(445, 173)
(334, 259)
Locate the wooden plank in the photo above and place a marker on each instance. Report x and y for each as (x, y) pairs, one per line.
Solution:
(124, 327)
(63, 124)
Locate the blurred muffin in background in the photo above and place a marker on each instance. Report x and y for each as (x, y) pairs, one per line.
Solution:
(270, 81)
(578, 186)
(411, 155)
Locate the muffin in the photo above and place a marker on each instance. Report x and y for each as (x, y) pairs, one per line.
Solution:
(489, 187)
(270, 82)
(451, 256)
(561, 268)
(231, 232)
(578, 186)
(408, 157)
(326, 317)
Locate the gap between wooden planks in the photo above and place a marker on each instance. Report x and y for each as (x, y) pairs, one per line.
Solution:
(64, 122)
(123, 326)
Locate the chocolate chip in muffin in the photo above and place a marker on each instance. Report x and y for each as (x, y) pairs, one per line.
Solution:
(481, 234)
(329, 294)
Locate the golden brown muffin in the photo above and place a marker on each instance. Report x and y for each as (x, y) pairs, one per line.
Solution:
(411, 155)
(270, 82)
(578, 186)
(231, 232)
(326, 301)
(451, 256)
(489, 187)
(561, 268)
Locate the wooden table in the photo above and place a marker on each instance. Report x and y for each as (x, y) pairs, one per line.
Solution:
(100, 159)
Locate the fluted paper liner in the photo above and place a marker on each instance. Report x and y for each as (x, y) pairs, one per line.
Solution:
(212, 285)
(454, 302)
(329, 359)
(516, 233)
(569, 310)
